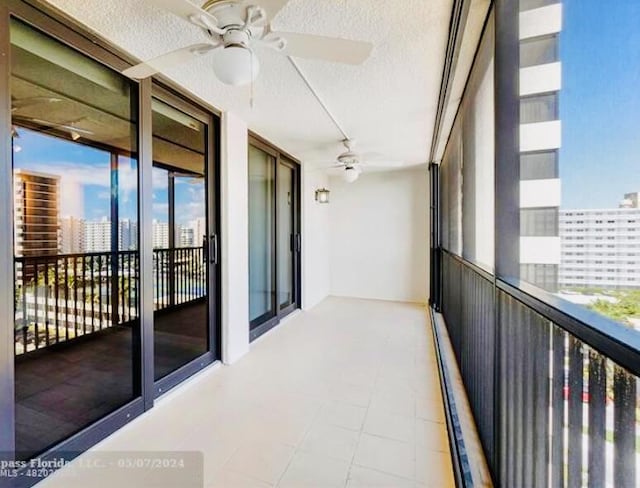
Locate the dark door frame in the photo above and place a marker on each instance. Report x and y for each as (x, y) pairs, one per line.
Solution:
(261, 325)
(212, 195)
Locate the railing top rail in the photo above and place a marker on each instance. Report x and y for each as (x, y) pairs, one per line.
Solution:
(474, 267)
(74, 255)
(192, 248)
(101, 253)
(610, 338)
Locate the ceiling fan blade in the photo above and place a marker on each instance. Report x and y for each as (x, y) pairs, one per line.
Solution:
(182, 8)
(325, 48)
(168, 60)
(272, 7)
(75, 129)
(384, 164)
(68, 126)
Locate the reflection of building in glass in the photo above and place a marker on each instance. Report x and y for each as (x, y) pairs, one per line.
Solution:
(97, 235)
(36, 226)
(540, 140)
(71, 235)
(128, 235)
(185, 237)
(199, 228)
(78, 235)
(160, 235)
(601, 247)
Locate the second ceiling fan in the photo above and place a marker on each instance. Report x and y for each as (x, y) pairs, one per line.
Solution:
(233, 29)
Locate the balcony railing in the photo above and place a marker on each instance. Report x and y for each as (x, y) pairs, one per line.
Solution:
(553, 387)
(60, 298)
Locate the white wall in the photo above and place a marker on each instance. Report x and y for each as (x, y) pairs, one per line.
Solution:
(380, 236)
(315, 239)
(235, 238)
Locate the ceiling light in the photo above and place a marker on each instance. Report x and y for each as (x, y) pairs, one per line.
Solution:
(350, 174)
(74, 135)
(235, 65)
(322, 195)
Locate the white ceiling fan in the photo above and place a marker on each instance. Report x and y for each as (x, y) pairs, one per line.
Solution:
(354, 163)
(22, 103)
(233, 28)
(71, 127)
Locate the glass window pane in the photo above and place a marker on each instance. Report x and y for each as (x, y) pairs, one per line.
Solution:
(262, 299)
(539, 221)
(540, 108)
(285, 235)
(181, 320)
(77, 332)
(541, 50)
(539, 165)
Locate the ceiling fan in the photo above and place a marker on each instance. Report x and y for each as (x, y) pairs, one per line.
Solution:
(233, 29)
(20, 103)
(353, 163)
(71, 127)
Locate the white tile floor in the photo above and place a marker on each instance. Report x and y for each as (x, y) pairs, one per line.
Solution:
(345, 395)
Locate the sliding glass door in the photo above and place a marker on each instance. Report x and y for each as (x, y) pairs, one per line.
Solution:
(76, 259)
(109, 253)
(184, 243)
(289, 239)
(274, 237)
(262, 277)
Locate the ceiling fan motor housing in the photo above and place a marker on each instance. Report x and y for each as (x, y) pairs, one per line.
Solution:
(237, 37)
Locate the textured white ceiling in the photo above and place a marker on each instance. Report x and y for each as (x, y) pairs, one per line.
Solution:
(388, 104)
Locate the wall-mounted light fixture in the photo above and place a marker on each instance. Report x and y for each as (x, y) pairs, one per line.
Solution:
(322, 195)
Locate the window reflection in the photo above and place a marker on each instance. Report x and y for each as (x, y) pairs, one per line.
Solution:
(180, 244)
(75, 233)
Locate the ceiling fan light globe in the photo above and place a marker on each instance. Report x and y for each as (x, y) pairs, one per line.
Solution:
(350, 175)
(235, 65)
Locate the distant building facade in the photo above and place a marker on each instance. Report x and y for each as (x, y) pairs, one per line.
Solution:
(72, 235)
(97, 235)
(160, 237)
(36, 206)
(601, 247)
(540, 141)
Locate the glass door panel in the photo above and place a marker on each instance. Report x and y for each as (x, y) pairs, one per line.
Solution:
(180, 261)
(262, 298)
(287, 236)
(76, 261)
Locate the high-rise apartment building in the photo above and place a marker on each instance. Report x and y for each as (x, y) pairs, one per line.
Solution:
(127, 235)
(540, 141)
(97, 235)
(160, 237)
(36, 204)
(601, 247)
(71, 235)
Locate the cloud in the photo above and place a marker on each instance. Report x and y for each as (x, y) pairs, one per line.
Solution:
(89, 174)
(161, 208)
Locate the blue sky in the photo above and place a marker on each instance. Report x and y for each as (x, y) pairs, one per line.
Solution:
(85, 180)
(600, 102)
